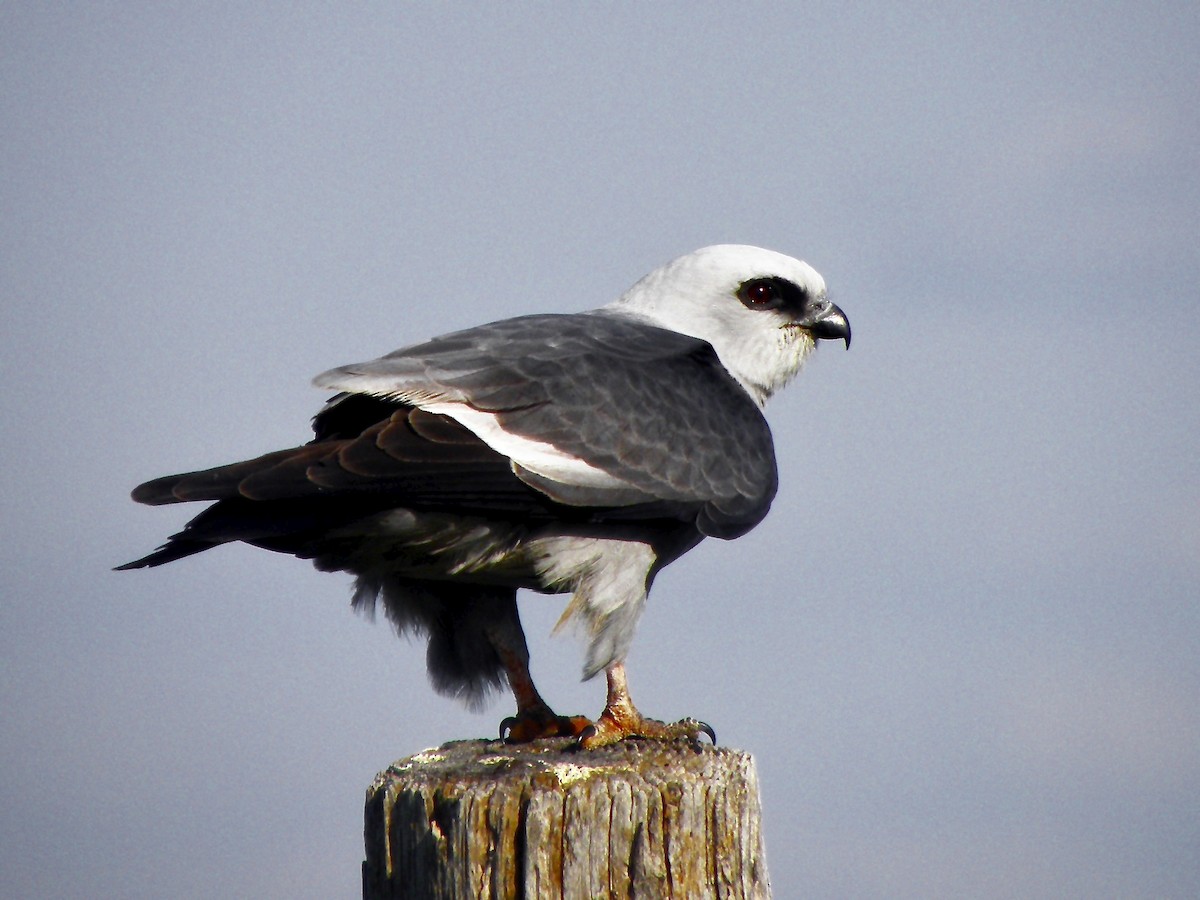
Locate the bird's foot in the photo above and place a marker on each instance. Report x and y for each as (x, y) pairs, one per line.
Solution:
(529, 725)
(613, 727)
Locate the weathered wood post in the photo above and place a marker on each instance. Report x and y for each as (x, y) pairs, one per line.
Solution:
(492, 821)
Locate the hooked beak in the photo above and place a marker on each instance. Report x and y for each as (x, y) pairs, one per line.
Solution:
(826, 322)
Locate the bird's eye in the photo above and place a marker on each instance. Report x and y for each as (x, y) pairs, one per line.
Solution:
(761, 293)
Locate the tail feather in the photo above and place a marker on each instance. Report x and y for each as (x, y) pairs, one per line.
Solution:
(298, 526)
(177, 547)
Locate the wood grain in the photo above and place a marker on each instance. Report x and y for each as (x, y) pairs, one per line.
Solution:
(486, 820)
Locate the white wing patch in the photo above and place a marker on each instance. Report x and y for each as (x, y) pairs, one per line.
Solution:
(538, 457)
(554, 471)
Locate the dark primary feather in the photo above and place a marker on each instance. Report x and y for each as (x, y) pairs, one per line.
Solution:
(653, 407)
(287, 500)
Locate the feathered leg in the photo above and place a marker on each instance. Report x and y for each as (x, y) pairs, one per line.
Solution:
(476, 643)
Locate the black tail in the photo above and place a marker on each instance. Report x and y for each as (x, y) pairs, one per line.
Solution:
(299, 527)
(172, 550)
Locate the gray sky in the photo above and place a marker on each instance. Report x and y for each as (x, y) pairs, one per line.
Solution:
(962, 648)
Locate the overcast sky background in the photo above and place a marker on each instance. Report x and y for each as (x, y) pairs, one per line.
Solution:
(962, 648)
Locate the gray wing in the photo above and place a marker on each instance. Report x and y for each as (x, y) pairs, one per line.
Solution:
(594, 410)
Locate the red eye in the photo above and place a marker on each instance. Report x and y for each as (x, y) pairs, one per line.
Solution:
(760, 294)
(763, 293)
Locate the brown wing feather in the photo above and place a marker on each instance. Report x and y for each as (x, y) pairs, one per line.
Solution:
(288, 499)
(218, 483)
(403, 450)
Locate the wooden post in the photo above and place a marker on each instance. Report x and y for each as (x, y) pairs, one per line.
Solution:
(492, 821)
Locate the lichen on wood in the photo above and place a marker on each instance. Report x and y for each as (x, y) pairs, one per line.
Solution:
(487, 820)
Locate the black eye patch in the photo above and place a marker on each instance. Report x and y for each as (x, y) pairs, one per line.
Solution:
(770, 293)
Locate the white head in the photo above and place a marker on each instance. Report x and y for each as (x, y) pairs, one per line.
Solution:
(761, 311)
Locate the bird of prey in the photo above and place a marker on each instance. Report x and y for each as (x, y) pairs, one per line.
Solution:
(574, 454)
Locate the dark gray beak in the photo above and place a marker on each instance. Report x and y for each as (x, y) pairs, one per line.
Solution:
(826, 322)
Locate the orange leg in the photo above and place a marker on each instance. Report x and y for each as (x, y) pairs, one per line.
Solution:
(534, 719)
(621, 719)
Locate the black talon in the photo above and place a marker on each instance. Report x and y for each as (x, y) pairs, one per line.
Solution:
(507, 724)
(708, 729)
(588, 732)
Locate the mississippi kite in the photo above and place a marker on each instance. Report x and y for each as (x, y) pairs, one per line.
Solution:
(571, 454)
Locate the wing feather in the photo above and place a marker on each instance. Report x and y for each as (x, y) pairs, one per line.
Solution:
(594, 409)
(585, 418)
